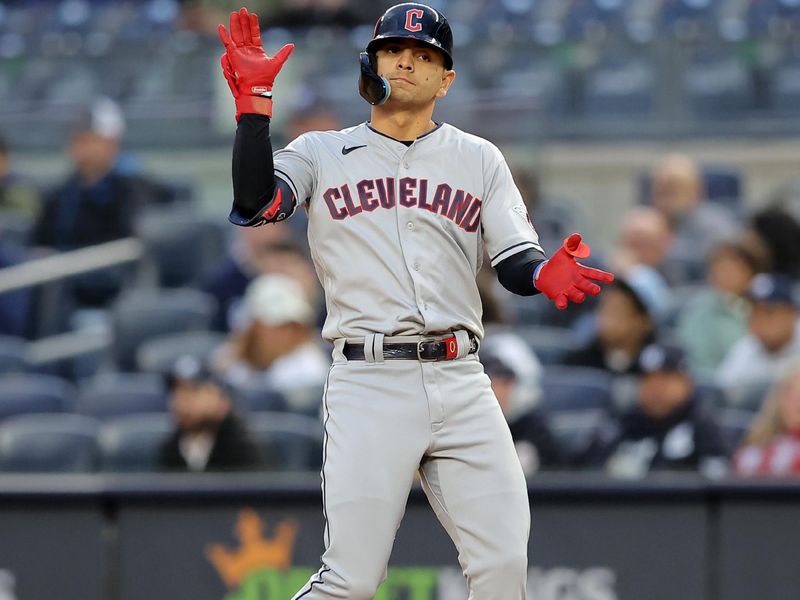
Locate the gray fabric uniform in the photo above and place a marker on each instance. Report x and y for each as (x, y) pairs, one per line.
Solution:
(397, 234)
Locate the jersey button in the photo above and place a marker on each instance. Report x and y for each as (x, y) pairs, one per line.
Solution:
(405, 165)
(409, 225)
(416, 266)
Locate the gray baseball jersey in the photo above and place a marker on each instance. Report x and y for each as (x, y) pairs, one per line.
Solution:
(397, 232)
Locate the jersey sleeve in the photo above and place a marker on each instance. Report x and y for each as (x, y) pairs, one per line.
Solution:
(296, 165)
(507, 227)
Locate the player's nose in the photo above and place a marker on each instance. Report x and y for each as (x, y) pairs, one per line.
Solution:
(405, 59)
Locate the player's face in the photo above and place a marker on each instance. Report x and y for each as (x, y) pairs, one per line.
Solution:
(790, 404)
(415, 71)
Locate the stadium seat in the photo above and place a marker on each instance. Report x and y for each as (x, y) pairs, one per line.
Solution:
(157, 355)
(12, 355)
(181, 246)
(575, 388)
(145, 314)
(550, 344)
(132, 442)
(734, 424)
(48, 443)
(114, 394)
(748, 396)
(289, 442)
(261, 399)
(34, 393)
(573, 430)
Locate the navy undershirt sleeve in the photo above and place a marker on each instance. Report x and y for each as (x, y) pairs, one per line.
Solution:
(253, 174)
(515, 273)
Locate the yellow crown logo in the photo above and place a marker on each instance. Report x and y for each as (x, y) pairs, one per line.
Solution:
(255, 552)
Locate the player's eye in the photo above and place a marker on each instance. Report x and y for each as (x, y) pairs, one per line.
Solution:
(425, 56)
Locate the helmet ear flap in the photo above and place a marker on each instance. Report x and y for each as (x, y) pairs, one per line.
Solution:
(372, 87)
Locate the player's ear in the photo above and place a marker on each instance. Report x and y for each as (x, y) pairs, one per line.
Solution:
(448, 77)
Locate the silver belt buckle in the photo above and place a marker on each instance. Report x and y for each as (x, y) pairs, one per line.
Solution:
(419, 350)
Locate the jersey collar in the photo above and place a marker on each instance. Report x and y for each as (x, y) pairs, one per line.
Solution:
(438, 126)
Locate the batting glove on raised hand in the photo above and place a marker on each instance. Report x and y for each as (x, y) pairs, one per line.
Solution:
(247, 68)
(562, 278)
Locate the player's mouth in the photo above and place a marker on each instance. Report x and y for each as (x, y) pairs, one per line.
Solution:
(402, 79)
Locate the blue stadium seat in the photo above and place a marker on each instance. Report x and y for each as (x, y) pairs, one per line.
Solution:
(734, 425)
(157, 355)
(620, 85)
(114, 394)
(575, 388)
(550, 344)
(132, 442)
(181, 246)
(48, 443)
(573, 429)
(145, 314)
(12, 355)
(290, 442)
(261, 399)
(34, 393)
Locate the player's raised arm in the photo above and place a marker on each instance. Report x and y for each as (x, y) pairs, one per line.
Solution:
(258, 196)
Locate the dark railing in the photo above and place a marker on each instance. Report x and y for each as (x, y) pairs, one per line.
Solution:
(125, 537)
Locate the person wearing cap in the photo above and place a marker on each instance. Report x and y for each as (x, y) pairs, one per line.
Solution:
(277, 348)
(716, 318)
(626, 321)
(772, 342)
(96, 203)
(666, 428)
(208, 435)
(515, 374)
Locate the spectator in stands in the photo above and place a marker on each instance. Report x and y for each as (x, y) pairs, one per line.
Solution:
(96, 203)
(278, 349)
(773, 340)
(666, 429)
(772, 446)
(254, 251)
(18, 198)
(208, 435)
(15, 305)
(515, 373)
(626, 322)
(716, 319)
(779, 231)
(644, 238)
(697, 224)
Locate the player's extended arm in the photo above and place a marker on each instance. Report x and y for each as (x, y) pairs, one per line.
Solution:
(258, 196)
(562, 278)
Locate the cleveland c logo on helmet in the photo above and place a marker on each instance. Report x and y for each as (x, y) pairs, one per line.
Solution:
(413, 19)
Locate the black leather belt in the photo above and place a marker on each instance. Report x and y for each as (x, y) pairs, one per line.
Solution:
(429, 350)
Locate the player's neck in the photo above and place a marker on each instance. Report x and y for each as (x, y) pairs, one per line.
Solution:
(403, 125)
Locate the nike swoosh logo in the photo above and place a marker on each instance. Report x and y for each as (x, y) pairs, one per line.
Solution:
(346, 150)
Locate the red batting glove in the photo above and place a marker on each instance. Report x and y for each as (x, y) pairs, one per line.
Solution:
(247, 68)
(562, 278)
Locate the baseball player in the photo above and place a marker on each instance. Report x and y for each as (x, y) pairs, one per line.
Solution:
(400, 210)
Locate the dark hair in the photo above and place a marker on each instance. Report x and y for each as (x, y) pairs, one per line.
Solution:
(780, 232)
(751, 252)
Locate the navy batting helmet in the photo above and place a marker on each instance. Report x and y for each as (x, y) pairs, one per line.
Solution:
(408, 20)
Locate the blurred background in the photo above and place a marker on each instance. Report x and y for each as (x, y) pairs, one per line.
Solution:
(155, 360)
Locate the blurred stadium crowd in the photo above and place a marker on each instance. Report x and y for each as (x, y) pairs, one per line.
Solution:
(183, 343)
